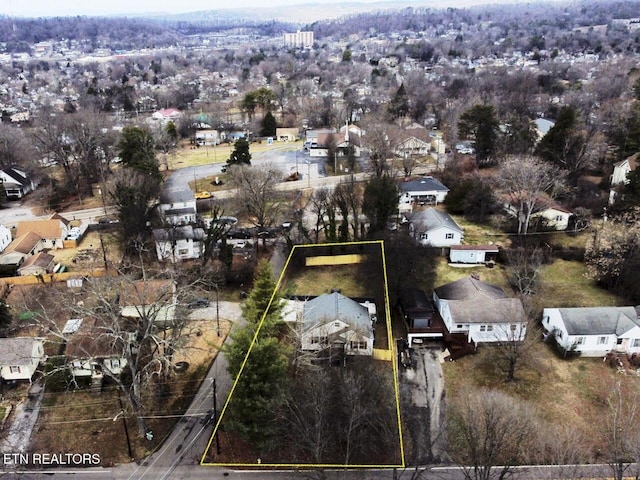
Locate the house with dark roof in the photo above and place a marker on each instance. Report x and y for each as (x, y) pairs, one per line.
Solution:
(418, 314)
(179, 243)
(481, 310)
(37, 264)
(435, 228)
(16, 182)
(421, 191)
(594, 331)
(178, 206)
(341, 324)
(20, 357)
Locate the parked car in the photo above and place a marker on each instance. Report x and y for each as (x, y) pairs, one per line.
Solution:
(239, 234)
(199, 302)
(203, 195)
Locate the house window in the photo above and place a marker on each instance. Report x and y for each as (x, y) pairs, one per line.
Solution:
(636, 342)
(514, 327)
(14, 369)
(336, 324)
(423, 236)
(579, 341)
(486, 328)
(358, 345)
(458, 326)
(317, 340)
(558, 218)
(449, 236)
(183, 251)
(619, 341)
(115, 363)
(489, 328)
(602, 340)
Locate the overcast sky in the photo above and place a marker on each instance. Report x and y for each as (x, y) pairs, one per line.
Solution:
(48, 8)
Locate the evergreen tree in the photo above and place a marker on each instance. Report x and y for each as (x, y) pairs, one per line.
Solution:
(240, 154)
(137, 150)
(268, 125)
(481, 124)
(380, 202)
(399, 105)
(553, 146)
(264, 288)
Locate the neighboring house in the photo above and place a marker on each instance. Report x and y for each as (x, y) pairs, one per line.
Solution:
(438, 144)
(287, 134)
(311, 137)
(594, 331)
(152, 299)
(418, 314)
(178, 207)
(5, 237)
(554, 215)
(339, 323)
(92, 348)
(622, 169)
(16, 182)
(207, 137)
(542, 126)
(435, 228)
(167, 114)
(20, 357)
(423, 191)
(179, 243)
(37, 264)
(481, 310)
(342, 142)
(547, 211)
(473, 253)
(21, 248)
(52, 231)
(352, 129)
(411, 146)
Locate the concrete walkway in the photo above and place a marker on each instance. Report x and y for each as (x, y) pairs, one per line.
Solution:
(23, 420)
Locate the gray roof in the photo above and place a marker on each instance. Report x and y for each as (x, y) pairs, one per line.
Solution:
(176, 196)
(432, 219)
(426, 184)
(469, 288)
(16, 351)
(474, 301)
(180, 211)
(599, 320)
(335, 306)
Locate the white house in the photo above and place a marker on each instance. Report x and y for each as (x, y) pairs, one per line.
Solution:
(555, 216)
(435, 228)
(20, 357)
(337, 322)
(178, 206)
(166, 115)
(621, 170)
(207, 136)
(5, 237)
(542, 127)
(481, 310)
(16, 182)
(473, 253)
(425, 190)
(21, 248)
(594, 331)
(412, 146)
(179, 243)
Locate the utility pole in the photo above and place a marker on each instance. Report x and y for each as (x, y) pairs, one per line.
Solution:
(217, 311)
(126, 429)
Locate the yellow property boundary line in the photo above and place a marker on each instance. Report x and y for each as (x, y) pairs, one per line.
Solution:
(255, 336)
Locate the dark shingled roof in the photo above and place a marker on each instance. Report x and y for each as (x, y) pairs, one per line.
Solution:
(426, 184)
(176, 196)
(599, 320)
(469, 288)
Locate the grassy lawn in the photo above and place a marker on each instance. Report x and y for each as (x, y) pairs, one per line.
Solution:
(481, 234)
(188, 155)
(319, 280)
(447, 274)
(566, 284)
(564, 392)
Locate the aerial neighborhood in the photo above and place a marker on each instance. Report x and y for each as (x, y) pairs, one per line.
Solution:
(339, 241)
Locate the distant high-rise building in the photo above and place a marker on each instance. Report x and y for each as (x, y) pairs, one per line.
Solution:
(298, 39)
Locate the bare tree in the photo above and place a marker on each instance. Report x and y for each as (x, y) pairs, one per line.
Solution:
(319, 204)
(491, 432)
(621, 429)
(348, 198)
(380, 145)
(136, 322)
(525, 181)
(514, 338)
(523, 268)
(257, 193)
